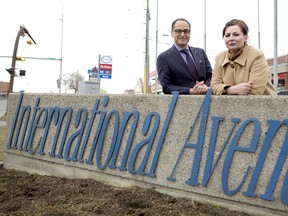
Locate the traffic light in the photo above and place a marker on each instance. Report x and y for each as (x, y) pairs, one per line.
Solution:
(11, 71)
(20, 58)
(29, 42)
(22, 73)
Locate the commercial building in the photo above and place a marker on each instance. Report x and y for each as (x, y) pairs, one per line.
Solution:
(282, 71)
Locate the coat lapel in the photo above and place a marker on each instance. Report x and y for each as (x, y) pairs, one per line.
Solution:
(177, 56)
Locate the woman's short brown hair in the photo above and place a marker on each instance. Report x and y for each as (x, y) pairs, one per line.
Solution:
(243, 26)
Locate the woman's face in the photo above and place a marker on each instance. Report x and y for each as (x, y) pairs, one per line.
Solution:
(234, 38)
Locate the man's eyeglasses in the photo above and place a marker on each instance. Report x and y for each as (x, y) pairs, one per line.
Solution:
(179, 31)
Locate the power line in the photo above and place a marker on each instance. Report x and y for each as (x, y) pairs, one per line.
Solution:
(55, 59)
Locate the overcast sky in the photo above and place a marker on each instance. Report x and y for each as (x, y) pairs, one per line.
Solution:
(117, 28)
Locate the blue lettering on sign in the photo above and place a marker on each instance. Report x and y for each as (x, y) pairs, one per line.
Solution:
(106, 59)
(73, 147)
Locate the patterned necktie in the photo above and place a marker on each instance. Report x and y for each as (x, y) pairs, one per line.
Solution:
(190, 64)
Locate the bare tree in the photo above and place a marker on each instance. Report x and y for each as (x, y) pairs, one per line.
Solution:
(71, 80)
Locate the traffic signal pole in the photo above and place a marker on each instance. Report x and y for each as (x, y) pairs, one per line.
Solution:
(12, 69)
(22, 31)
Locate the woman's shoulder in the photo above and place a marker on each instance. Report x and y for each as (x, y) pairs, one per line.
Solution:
(254, 51)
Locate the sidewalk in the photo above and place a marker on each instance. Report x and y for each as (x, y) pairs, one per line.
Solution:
(2, 138)
(2, 123)
(3, 104)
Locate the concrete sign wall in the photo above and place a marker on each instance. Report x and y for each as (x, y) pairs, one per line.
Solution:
(228, 150)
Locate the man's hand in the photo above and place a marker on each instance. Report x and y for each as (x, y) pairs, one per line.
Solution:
(199, 88)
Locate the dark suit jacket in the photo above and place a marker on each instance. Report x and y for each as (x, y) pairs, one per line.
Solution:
(174, 74)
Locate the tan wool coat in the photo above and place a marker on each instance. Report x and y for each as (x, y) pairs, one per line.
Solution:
(251, 66)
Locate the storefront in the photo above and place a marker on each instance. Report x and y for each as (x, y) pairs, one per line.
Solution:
(282, 71)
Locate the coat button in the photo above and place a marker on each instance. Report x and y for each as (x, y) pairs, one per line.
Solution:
(232, 65)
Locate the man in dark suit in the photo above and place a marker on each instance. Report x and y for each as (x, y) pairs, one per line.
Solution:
(173, 65)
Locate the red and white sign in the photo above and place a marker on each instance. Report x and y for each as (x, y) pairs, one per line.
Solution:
(105, 66)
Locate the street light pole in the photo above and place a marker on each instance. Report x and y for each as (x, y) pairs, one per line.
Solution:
(12, 74)
(146, 74)
(258, 24)
(61, 59)
(156, 50)
(22, 31)
(205, 25)
(275, 78)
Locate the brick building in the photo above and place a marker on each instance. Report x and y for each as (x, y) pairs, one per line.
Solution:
(4, 88)
(282, 70)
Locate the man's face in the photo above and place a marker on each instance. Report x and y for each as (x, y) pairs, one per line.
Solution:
(181, 33)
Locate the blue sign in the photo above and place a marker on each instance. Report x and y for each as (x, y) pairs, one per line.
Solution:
(105, 76)
(105, 71)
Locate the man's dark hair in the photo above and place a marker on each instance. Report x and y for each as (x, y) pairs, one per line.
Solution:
(179, 19)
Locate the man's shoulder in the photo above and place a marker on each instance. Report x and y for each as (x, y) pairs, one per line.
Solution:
(168, 51)
(196, 48)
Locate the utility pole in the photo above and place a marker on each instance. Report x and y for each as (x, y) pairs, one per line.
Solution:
(205, 25)
(61, 59)
(275, 78)
(146, 72)
(22, 31)
(258, 24)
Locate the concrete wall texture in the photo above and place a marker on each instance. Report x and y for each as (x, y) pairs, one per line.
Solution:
(226, 150)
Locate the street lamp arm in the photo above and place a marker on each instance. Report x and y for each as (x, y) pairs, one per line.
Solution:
(20, 33)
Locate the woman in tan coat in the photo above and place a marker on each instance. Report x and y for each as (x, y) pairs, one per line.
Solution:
(242, 69)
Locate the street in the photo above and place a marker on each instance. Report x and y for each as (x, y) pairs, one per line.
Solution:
(3, 104)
